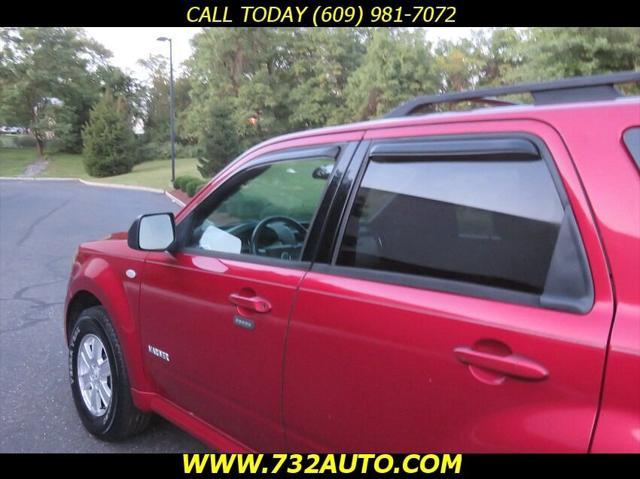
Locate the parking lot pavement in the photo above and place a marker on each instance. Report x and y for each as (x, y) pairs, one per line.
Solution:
(41, 224)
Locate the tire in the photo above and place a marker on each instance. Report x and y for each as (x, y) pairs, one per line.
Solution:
(95, 353)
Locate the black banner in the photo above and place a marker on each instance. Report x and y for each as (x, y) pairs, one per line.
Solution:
(347, 13)
(470, 465)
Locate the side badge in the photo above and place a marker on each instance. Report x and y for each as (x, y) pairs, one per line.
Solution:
(243, 322)
(159, 353)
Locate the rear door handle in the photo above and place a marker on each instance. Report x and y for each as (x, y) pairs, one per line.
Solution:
(253, 303)
(511, 365)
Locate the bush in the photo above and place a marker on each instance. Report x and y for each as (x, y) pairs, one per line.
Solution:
(25, 141)
(55, 146)
(7, 141)
(109, 143)
(192, 186)
(186, 150)
(153, 150)
(180, 182)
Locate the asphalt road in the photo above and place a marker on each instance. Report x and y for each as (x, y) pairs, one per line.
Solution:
(41, 224)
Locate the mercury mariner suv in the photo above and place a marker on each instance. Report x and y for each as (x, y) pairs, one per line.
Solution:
(431, 281)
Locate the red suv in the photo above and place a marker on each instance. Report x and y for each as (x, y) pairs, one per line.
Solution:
(464, 281)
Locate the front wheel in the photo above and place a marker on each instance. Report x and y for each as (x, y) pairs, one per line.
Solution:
(99, 381)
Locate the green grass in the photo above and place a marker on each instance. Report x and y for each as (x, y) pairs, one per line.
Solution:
(65, 165)
(13, 161)
(154, 174)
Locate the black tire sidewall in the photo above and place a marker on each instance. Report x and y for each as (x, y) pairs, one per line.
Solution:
(89, 322)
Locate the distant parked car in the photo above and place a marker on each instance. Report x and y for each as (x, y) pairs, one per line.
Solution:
(13, 130)
(462, 281)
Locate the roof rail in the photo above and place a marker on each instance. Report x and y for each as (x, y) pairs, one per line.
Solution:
(589, 88)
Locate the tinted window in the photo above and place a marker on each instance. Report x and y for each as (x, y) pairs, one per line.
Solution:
(265, 211)
(489, 222)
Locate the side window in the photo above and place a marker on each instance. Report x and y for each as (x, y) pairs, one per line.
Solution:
(265, 210)
(469, 218)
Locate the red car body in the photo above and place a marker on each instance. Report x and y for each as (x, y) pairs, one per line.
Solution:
(348, 363)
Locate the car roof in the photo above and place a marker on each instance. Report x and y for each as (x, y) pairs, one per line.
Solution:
(487, 113)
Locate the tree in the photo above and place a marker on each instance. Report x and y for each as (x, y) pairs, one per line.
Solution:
(398, 65)
(108, 138)
(248, 69)
(218, 140)
(323, 59)
(280, 80)
(548, 53)
(156, 138)
(44, 68)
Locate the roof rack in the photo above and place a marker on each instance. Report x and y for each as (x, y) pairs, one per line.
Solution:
(590, 88)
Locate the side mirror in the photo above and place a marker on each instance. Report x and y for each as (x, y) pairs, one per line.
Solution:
(154, 232)
(322, 172)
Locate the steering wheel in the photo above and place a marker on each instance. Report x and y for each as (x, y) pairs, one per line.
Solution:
(284, 234)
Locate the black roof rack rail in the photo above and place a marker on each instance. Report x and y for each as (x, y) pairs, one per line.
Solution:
(586, 88)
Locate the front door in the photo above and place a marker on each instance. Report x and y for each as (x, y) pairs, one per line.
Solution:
(467, 305)
(214, 314)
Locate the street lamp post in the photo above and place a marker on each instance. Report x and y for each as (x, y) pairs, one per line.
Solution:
(172, 109)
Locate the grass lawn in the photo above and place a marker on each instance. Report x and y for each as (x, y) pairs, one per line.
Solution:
(65, 165)
(154, 174)
(13, 161)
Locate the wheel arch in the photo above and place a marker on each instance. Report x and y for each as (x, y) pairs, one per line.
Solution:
(80, 301)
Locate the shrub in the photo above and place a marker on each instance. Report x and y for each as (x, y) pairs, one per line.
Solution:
(192, 186)
(25, 141)
(153, 150)
(180, 182)
(109, 144)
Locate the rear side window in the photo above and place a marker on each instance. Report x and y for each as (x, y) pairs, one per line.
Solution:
(471, 218)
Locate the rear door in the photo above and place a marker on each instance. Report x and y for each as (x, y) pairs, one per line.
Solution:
(465, 304)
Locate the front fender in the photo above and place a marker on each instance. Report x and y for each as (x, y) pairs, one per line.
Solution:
(119, 295)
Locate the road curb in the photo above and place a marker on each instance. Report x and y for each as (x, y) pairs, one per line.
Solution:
(123, 187)
(28, 178)
(103, 185)
(176, 200)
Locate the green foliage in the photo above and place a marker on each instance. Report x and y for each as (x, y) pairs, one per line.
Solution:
(219, 140)
(397, 65)
(49, 80)
(245, 85)
(180, 182)
(193, 186)
(17, 141)
(24, 141)
(156, 138)
(108, 138)
(67, 124)
(189, 184)
(241, 86)
(548, 53)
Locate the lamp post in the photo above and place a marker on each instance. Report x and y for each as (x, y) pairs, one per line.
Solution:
(172, 107)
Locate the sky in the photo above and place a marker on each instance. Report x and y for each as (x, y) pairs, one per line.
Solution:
(130, 44)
